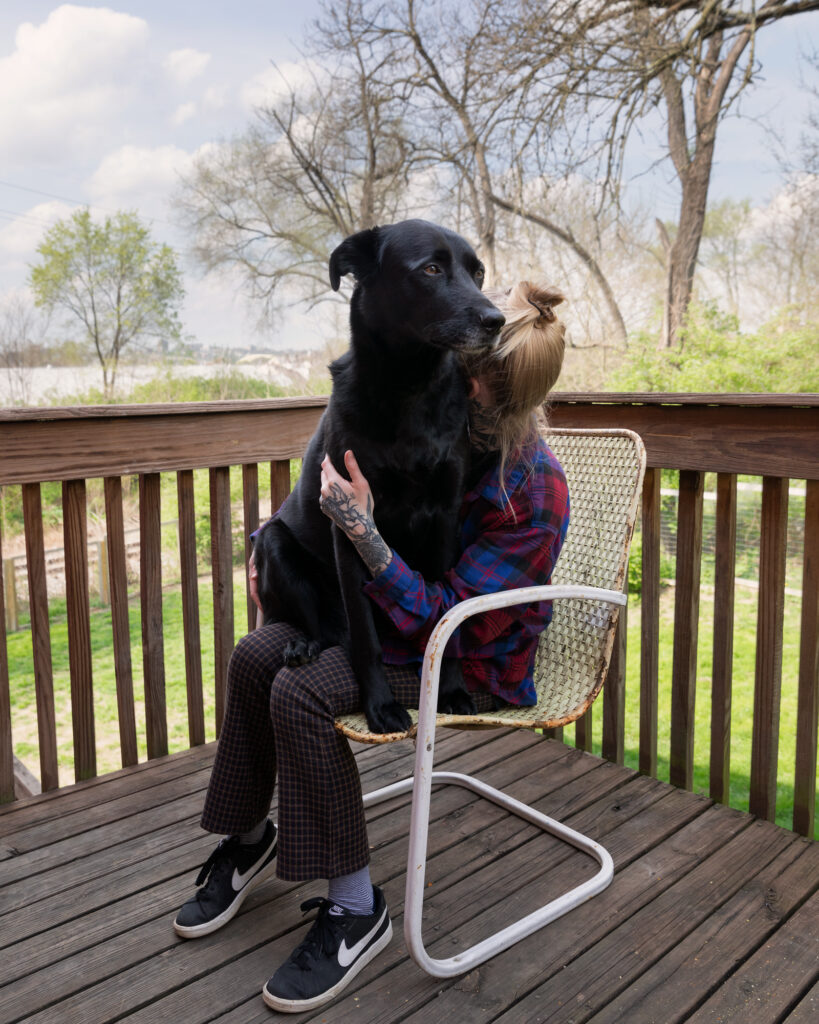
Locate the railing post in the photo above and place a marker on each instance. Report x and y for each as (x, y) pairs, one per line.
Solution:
(768, 673)
(250, 497)
(222, 569)
(75, 538)
(117, 570)
(686, 621)
(723, 642)
(804, 790)
(650, 622)
(614, 693)
(150, 588)
(6, 748)
(190, 606)
(279, 483)
(40, 636)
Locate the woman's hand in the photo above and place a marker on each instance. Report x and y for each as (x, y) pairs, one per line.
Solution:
(253, 587)
(349, 504)
(253, 581)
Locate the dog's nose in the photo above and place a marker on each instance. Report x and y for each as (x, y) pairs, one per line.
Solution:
(492, 321)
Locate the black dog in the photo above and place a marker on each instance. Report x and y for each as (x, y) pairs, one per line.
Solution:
(399, 402)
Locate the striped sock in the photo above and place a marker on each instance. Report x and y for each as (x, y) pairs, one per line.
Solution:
(353, 893)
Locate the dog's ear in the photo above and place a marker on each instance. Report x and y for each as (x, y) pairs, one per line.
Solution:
(356, 255)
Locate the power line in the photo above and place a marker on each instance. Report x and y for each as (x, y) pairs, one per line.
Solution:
(48, 195)
(73, 202)
(13, 215)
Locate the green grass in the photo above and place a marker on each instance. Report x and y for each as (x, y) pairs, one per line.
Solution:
(742, 697)
(23, 700)
(24, 704)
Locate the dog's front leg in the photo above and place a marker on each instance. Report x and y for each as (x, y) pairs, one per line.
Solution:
(384, 713)
(453, 696)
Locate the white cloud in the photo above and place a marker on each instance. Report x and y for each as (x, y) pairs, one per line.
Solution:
(215, 97)
(275, 83)
(66, 79)
(183, 113)
(138, 177)
(185, 65)
(19, 238)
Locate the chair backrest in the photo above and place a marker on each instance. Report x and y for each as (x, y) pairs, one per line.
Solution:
(604, 470)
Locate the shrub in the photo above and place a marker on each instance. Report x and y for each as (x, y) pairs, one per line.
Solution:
(714, 356)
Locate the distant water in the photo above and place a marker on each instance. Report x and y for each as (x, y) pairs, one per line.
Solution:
(47, 385)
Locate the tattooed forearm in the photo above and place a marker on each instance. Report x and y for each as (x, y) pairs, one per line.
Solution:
(360, 527)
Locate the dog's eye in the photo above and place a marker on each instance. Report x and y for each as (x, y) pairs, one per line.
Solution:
(432, 269)
(480, 274)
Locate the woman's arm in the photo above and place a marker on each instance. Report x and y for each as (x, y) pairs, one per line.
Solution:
(516, 549)
(349, 503)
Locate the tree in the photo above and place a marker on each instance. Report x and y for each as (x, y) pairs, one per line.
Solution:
(455, 64)
(787, 271)
(112, 281)
(484, 108)
(614, 64)
(727, 247)
(20, 330)
(325, 159)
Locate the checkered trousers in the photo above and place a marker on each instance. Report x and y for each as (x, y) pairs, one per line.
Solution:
(279, 721)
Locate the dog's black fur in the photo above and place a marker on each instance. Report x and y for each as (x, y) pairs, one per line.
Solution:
(399, 401)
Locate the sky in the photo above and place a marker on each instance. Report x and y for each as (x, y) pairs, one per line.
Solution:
(106, 106)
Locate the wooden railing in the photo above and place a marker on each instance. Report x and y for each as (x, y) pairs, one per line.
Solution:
(772, 436)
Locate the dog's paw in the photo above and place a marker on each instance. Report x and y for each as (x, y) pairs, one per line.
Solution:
(456, 702)
(387, 717)
(301, 651)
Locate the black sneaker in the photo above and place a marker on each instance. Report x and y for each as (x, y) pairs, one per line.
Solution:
(226, 879)
(335, 949)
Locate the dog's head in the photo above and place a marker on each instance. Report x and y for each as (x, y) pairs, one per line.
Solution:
(415, 282)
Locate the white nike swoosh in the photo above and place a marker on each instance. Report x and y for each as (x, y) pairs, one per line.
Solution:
(346, 954)
(239, 881)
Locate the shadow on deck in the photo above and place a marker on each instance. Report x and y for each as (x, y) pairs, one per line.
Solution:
(712, 915)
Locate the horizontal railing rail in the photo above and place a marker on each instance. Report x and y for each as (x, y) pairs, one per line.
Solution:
(775, 437)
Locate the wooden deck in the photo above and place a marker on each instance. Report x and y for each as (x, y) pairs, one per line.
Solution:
(712, 915)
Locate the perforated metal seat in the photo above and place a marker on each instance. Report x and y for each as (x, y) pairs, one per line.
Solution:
(604, 469)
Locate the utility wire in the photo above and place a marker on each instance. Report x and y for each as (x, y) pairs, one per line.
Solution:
(73, 202)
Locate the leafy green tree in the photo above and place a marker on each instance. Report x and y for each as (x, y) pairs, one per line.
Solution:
(715, 357)
(112, 280)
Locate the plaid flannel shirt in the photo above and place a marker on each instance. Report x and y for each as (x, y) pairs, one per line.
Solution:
(507, 541)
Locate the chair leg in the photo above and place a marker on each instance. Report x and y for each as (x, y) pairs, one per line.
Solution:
(424, 776)
(416, 869)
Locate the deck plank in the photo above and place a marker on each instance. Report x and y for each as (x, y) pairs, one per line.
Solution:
(593, 980)
(704, 899)
(775, 978)
(144, 921)
(807, 1011)
(670, 990)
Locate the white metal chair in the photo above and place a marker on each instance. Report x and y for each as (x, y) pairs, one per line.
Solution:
(605, 471)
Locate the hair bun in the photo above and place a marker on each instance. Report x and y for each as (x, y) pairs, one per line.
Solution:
(542, 301)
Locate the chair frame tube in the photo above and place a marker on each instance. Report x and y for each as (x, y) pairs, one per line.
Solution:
(423, 778)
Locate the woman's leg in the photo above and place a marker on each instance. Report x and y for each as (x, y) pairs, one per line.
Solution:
(244, 771)
(322, 830)
(323, 833)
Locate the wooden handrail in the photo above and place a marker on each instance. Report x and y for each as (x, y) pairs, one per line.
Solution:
(772, 436)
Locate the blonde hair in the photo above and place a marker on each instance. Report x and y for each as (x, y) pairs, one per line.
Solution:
(525, 366)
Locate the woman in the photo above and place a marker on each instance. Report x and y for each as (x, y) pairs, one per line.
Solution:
(279, 721)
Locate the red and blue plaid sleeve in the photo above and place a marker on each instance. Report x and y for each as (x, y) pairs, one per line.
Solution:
(511, 539)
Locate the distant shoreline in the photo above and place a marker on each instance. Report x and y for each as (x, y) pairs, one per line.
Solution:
(44, 385)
